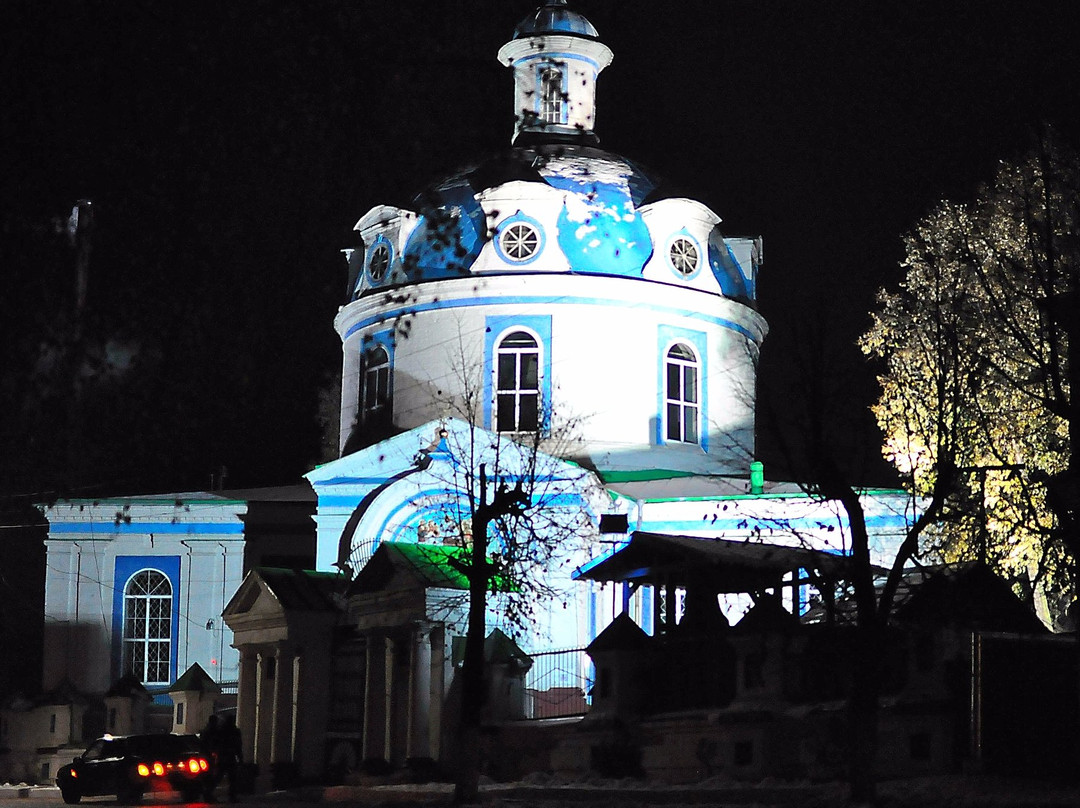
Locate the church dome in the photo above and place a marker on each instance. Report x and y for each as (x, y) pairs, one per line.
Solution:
(555, 18)
(548, 208)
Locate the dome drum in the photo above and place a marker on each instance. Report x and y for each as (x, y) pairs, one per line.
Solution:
(602, 350)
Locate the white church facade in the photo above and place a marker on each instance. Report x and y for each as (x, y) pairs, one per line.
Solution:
(545, 309)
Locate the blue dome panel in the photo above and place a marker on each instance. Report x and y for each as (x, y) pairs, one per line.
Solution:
(448, 237)
(603, 241)
(600, 230)
(725, 268)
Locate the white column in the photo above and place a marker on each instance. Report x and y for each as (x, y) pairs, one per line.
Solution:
(437, 644)
(295, 706)
(374, 697)
(418, 741)
(247, 685)
(260, 718)
(390, 653)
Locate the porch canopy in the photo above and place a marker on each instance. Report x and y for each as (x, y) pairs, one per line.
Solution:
(660, 559)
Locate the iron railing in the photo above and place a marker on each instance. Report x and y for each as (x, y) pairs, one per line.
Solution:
(558, 684)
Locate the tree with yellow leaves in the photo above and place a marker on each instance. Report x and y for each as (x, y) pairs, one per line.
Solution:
(976, 382)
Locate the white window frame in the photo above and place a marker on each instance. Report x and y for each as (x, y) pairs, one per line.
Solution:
(552, 90)
(156, 600)
(374, 402)
(682, 394)
(515, 392)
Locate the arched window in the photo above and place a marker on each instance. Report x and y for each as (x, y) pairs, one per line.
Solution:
(148, 627)
(374, 386)
(517, 383)
(551, 95)
(681, 394)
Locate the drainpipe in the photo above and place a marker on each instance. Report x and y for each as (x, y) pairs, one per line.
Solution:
(221, 630)
(187, 610)
(74, 640)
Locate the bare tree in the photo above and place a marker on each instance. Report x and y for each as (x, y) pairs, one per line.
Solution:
(814, 433)
(524, 521)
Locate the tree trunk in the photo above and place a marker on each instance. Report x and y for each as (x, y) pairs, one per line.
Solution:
(863, 715)
(467, 779)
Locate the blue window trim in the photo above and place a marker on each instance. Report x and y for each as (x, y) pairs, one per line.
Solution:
(559, 57)
(379, 239)
(376, 339)
(509, 220)
(702, 256)
(668, 335)
(124, 569)
(498, 327)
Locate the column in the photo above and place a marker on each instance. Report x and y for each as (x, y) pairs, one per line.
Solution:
(437, 644)
(281, 708)
(374, 697)
(418, 740)
(246, 705)
(390, 651)
(263, 708)
(295, 706)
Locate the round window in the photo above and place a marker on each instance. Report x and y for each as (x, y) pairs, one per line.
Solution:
(519, 242)
(380, 262)
(684, 256)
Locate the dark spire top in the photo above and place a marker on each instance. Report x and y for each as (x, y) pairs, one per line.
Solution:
(554, 17)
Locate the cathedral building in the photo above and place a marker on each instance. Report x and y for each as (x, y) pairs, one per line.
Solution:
(550, 313)
(547, 314)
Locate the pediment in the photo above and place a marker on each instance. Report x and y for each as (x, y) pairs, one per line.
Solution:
(255, 599)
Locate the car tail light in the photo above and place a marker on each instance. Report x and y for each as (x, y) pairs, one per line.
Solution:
(158, 769)
(203, 765)
(143, 770)
(193, 766)
(73, 773)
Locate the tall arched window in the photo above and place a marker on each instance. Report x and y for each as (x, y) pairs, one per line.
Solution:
(517, 383)
(375, 386)
(681, 394)
(148, 627)
(551, 95)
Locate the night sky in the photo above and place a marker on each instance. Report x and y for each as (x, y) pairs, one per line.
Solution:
(228, 148)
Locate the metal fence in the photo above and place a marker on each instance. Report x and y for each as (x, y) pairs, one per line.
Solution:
(558, 684)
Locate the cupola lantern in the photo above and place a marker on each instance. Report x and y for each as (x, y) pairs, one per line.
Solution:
(556, 57)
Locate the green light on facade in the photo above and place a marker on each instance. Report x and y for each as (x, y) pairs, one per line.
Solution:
(757, 477)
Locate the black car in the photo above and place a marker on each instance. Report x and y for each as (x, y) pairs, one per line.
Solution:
(129, 766)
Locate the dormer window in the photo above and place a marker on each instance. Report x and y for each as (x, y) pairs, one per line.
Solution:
(551, 95)
(380, 262)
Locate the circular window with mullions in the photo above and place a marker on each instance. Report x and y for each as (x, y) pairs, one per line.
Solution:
(684, 256)
(519, 241)
(379, 262)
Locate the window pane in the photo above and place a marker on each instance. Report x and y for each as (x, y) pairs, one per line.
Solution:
(507, 371)
(681, 352)
(529, 412)
(519, 339)
(673, 390)
(505, 421)
(382, 385)
(690, 425)
(690, 384)
(530, 376)
(674, 431)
